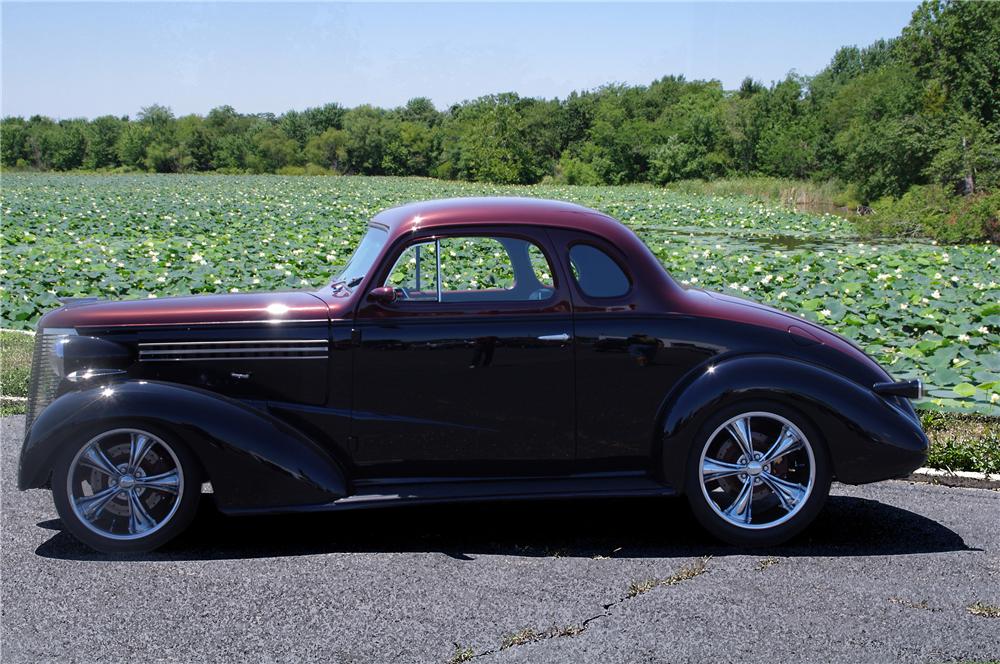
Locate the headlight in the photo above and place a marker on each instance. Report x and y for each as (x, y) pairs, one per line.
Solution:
(57, 355)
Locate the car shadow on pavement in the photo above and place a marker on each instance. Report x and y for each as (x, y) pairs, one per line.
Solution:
(626, 528)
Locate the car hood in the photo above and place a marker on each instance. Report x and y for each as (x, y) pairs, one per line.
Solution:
(193, 309)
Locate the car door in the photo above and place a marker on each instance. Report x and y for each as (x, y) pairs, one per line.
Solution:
(628, 356)
(470, 370)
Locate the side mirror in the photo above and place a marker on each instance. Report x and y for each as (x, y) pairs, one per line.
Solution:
(382, 295)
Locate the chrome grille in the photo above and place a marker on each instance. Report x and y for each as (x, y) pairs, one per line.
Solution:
(44, 381)
(188, 351)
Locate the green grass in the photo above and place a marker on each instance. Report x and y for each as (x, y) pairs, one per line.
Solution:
(922, 310)
(963, 442)
(778, 191)
(685, 573)
(15, 366)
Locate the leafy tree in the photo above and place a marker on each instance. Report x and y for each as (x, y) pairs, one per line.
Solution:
(14, 148)
(329, 149)
(957, 46)
(102, 141)
(132, 143)
(366, 142)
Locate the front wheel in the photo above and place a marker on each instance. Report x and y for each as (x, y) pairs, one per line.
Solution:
(758, 475)
(126, 490)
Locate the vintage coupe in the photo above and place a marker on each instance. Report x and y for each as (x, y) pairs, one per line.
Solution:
(472, 349)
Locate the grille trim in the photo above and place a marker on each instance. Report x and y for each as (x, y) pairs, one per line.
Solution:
(44, 382)
(255, 349)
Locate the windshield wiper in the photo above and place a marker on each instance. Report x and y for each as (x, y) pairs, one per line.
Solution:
(355, 281)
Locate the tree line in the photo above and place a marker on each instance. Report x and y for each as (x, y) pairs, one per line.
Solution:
(917, 109)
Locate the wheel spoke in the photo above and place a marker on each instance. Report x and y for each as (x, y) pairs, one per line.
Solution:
(169, 482)
(138, 447)
(713, 469)
(740, 509)
(92, 506)
(138, 518)
(95, 458)
(789, 494)
(740, 431)
(788, 441)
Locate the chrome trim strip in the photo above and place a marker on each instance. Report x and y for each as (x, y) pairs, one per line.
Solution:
(93, 374)
(216, 343)
(232, 358)
(260, 321)
(216, 351)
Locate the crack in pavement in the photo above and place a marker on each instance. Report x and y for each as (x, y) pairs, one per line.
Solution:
(529, 635)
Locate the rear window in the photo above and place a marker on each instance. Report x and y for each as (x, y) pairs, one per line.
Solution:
(596, 273)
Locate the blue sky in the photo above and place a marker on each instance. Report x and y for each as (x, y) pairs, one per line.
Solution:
(85, 60)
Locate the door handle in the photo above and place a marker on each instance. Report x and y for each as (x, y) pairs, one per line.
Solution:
(554, 337)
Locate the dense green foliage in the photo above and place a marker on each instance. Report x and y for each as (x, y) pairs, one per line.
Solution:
(929, 210)
(963, 442)
(922, 309)
(919, 109)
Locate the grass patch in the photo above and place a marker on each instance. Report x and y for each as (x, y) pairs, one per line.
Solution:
(461, 654)
(765, 563)
(689, 571)
(984, 610)
(520, 638)
(530, 635)
(15, 369)
(782, 191)
(922, 604)
(963, 441)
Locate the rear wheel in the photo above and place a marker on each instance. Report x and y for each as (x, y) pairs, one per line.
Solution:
(759, 474)
(126, 490)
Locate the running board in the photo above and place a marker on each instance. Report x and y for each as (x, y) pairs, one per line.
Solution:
(391, 492)
(443, 491)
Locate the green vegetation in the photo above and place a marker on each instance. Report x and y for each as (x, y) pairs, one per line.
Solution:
(963, 442)
(923, 310)
(778, 191)
(15, 366)
(461, 654)
(984, 610)
(920, 109)
(685, 573)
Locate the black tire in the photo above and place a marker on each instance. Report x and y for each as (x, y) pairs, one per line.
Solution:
(758, 534)
(177, 519)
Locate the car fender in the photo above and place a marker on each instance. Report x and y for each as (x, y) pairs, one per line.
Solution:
(868, 437)
(253, 460)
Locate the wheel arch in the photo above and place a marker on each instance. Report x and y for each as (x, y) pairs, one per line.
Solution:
(867, 438)
(253, 459)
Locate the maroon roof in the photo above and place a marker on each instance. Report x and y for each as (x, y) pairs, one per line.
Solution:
(502, 210)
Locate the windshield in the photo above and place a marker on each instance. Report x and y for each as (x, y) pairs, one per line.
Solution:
(363, 258)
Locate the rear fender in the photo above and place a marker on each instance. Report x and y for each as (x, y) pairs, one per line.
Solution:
(253, 459)
(868, 437)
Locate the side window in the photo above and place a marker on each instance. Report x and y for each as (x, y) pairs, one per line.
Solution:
(475, 264)
(597, 274)
(415, 273)
(499, 269)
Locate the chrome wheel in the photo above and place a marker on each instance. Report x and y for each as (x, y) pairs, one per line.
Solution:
(125, 484)
(757, 470)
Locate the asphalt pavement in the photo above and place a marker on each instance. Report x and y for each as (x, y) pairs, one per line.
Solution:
(886, 574)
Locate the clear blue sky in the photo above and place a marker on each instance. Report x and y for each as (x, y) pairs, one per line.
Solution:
(85, 60)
